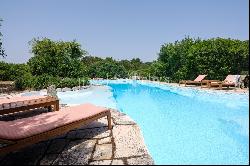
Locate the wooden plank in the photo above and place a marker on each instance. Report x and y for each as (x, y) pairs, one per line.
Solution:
(7, 108)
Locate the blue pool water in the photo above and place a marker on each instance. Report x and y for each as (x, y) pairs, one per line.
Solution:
(179, 125)
(188, 127)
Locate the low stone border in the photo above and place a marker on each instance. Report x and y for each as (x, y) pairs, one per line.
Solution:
(92, 144)
(213, 89)
(72, 89)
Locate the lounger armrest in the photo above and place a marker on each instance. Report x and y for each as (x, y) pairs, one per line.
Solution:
(182, 81)
(191, 81)
(228, 83)
(216, 81)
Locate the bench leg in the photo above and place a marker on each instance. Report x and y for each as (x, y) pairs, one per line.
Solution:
(220, 86)
(109, 121)
(56, 106)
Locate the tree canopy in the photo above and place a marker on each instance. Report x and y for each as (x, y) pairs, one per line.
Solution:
(107, 67)
(56, 58)
(216, 57)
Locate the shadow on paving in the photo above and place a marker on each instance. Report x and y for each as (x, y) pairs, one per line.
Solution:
(65, 149)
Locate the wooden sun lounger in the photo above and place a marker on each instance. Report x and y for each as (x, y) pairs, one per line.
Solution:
(197, 81)
(23, 104)
(23, 132)
(228, 82)
(221, 84)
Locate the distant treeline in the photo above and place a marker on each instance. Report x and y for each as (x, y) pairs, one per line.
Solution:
(55, 60)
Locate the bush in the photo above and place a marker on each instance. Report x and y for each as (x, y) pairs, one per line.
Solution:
(86, 82)
(24, 82)
(43, 81)
(20, 83)
(68, 82)
(11, 71)
(108, 68)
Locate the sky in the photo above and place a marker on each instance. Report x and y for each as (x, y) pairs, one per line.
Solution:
(122, 29)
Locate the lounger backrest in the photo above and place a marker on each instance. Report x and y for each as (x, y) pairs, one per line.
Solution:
(200, 77)
(231, 79)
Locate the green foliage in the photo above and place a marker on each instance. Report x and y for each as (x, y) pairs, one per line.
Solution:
(35, 82)
(107, 68)
(10, 71)
(87, 60)
(68, 82)
(136, 66)
(157, 69)
(217, 58)
(86, 81)
(43, 81)
(56, 58)
(63, 63)
(23, 82)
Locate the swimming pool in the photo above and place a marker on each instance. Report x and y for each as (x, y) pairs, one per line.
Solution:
(179, 125)
(187, 126)
(98, 95)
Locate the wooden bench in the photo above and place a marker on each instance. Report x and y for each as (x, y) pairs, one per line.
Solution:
(18, 106)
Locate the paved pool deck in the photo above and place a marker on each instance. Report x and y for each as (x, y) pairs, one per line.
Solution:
(92, 144)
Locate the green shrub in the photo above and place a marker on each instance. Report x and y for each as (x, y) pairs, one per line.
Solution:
(86, 82)
(24, 82)
(20, 83)
(11, 71)
(43, 81)
(68, 82)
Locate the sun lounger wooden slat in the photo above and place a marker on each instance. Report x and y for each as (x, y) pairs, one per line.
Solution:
(197, 81)
(206, 83)
(12, 107)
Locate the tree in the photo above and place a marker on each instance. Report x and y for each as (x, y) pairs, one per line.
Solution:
(136, 63)
(2, 52)
(107, 68)
(157, 69)
(88, 60)
(216, 57)
(56, 58)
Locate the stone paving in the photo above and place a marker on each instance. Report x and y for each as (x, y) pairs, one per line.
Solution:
(91, 144)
